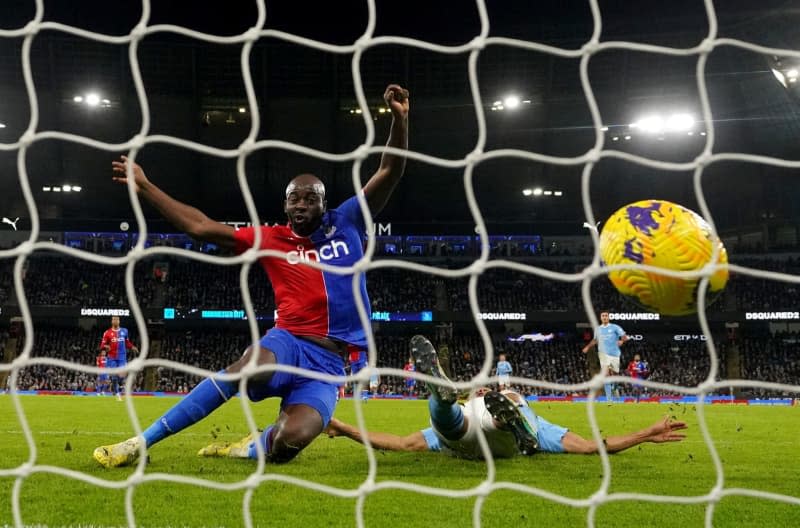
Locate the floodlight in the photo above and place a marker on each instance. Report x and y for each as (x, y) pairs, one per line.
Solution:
(792, 74)
(680, 122)
(537, 191)
(653, 124)
(66, 188)
(242, 110)
(78, 98)
(92, 99)
(779, 75)
(548, 193)
(76, 188)
(56, 189)
(2, 125)
(527, 192)
(46, 188)
(558, 193)
(511, 101)
(627, 138)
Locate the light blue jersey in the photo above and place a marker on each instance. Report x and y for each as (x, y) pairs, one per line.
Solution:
(549, 435)
(504, 368)
(607, 337)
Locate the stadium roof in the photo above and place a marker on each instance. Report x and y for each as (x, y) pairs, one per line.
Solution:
(195, 90)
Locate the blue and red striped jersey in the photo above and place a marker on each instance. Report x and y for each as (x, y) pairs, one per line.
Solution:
(312, 302)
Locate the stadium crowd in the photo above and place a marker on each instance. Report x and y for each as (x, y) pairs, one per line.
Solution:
(765, 357)
(54, 280)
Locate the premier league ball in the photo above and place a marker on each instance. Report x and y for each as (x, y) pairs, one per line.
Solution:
(664, 235)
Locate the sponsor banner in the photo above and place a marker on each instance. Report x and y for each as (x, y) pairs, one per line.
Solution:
(426, 316)
(634, 316)
(781, 402)
(771, 316)
(503, 316)
(690, 337)
(103, 312)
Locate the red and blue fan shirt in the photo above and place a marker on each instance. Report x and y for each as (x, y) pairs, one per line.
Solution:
(117, 342)
(312, 302)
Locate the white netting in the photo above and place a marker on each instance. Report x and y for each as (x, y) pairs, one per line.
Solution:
(357, 156)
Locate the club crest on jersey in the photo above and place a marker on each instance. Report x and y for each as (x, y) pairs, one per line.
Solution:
(334, 249)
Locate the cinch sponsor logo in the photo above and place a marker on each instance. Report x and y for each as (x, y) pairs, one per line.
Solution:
(503, 316)
(635, 316)
(636, 337)
(106, 311)
(771, 315)
(334, 249)
(690, 337)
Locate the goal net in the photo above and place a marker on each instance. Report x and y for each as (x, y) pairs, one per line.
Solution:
(601, 149)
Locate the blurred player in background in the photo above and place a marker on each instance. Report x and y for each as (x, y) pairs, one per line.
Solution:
(411, 383)
(638, 370)
(510, 426)
(608, 337)
(374, 385)
(357, 359)
(318, 318)
(115, 343)
(102, 378)
(504, 370)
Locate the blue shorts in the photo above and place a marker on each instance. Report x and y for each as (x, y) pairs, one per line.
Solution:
(411, 383)
(295, 389)
(357, 366)
(114, 363)
(102, 377)
(550, 436)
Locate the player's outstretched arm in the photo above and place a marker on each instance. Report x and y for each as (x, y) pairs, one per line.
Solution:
(381, 185)
(589, 345)
(188, 219)
(413, 442)
(660, 432)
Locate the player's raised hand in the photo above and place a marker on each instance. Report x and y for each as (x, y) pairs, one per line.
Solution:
(396, 98)
(664, 431)
(120, 169)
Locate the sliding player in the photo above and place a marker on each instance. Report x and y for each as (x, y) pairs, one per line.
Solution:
(317, 315)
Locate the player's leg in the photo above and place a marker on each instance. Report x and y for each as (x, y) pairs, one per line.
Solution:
(307, 406)
(199, 403)
(605, 367)
(447, 417)
(612, 370)
(120, 379)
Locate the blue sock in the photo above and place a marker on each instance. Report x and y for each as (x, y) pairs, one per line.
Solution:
(115, 384)
(207, 396)
(266, 443)
(607, 387)
(447, 418)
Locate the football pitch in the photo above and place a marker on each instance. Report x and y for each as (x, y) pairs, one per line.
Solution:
(757, 445)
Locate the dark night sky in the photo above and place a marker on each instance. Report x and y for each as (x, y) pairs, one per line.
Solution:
(755, 115)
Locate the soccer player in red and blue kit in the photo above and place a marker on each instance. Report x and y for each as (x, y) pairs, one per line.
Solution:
(317, 316)
(115, 342)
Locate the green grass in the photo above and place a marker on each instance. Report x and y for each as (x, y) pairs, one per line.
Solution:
(758, 446)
